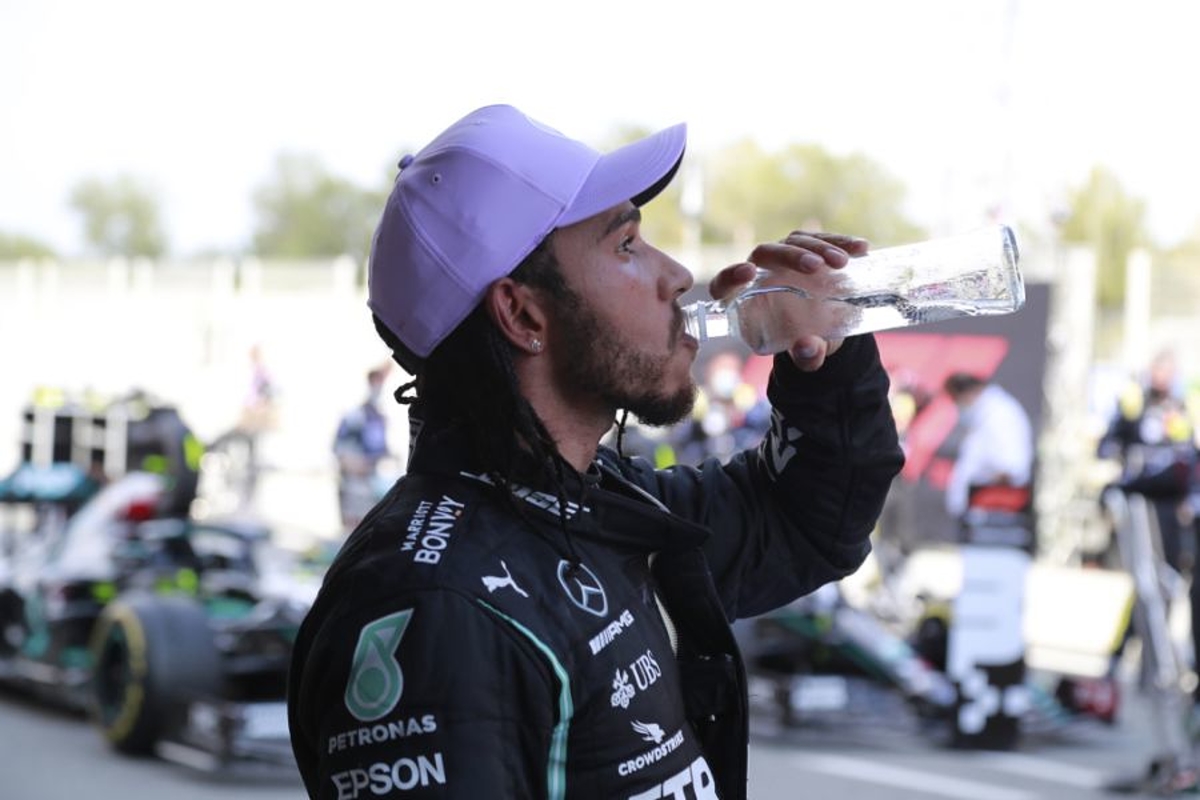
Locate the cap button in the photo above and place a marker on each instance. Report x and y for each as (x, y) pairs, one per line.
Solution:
(408, 159)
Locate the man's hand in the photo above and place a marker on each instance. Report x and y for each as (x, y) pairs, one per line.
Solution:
(803, 252)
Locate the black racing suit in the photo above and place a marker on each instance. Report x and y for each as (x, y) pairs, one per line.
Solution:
(466, 644)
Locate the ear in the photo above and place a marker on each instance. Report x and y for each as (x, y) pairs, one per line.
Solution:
(516, 311)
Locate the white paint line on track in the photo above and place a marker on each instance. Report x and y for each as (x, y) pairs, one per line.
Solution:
(1043, 769)
(928, 783)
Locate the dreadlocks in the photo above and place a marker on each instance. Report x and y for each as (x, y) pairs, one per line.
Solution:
(469, 378)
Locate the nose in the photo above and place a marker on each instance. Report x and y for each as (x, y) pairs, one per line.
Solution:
(676, 278)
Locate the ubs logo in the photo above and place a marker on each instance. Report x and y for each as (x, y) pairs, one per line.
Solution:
(583, 587)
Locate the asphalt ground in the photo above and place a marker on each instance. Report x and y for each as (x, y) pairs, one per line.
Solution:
(48, 754)
(874, 750)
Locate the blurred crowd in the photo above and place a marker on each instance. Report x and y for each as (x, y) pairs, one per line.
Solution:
(731, 413)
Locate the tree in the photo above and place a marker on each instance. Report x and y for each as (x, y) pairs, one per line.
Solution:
(753, 194)
(304, 211)
(15, 246)
(120, 217)
(750, 194)
(1102, 215)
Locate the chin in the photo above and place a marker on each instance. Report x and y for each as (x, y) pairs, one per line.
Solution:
(667, 408)
(679, 381)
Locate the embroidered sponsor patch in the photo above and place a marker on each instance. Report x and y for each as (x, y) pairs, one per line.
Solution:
(611, 631)
(542, 500)
(778, 447)
(583, 587)
(376, 682)
(651, 732)
(387, 777)
(695, 781)
(644, 670)
(382, 733)
(430, 527)
(505, 581)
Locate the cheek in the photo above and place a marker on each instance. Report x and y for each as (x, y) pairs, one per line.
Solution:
(621, 278)
(641, 284)
(621, 290)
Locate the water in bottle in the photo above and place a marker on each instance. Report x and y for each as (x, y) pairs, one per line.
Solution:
(968, 275)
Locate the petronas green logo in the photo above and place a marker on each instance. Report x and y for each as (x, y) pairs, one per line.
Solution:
(376, 682)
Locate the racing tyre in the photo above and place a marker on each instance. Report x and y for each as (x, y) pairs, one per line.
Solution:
(152, 654)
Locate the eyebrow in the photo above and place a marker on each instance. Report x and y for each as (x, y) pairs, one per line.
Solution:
(628, 215)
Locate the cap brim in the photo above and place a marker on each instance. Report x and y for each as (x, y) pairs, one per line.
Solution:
(636, 172)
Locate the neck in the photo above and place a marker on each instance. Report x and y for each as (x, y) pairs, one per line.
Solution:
(576, 424)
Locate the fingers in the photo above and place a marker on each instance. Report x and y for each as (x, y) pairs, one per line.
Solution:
(850, 245)
(785, 255)
(728, 280)
(808, 252)
(800, 250)
(809, 353)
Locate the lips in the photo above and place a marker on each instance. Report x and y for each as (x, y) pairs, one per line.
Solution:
(685, 340)
(677, 330)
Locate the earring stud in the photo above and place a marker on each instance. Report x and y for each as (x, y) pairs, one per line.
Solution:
(535, 345)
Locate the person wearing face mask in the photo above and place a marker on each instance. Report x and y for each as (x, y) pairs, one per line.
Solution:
(728, 416)
(360, 444)
(989, 496)
(995, 456)
(1150, 436)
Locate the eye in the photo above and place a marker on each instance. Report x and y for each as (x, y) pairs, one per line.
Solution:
(626, 245)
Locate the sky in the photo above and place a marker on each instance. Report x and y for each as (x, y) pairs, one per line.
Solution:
(974, 105)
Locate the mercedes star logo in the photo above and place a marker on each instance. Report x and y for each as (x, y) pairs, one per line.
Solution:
(583, 587)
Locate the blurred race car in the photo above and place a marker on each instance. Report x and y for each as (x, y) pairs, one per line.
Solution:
(173, 634)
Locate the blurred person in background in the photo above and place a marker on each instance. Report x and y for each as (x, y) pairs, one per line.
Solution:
(994, 464)
(160, 442)
(901, 531)
(360, 444)
(528, 614)
(234, 461)
(728, 416)
(1150, 435)
(258, 411)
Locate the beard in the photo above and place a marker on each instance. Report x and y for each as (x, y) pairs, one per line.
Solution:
(600, 364)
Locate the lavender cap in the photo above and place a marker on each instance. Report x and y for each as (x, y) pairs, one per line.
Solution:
(479, 198)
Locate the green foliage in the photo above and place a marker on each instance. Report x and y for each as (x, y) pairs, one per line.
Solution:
(304, 211)
(1102, 215)
(662, 219)
(756, 195)
(120, 217)
(752, 195)
(14, 246)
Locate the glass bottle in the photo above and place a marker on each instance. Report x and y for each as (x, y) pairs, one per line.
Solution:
(973, 274)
